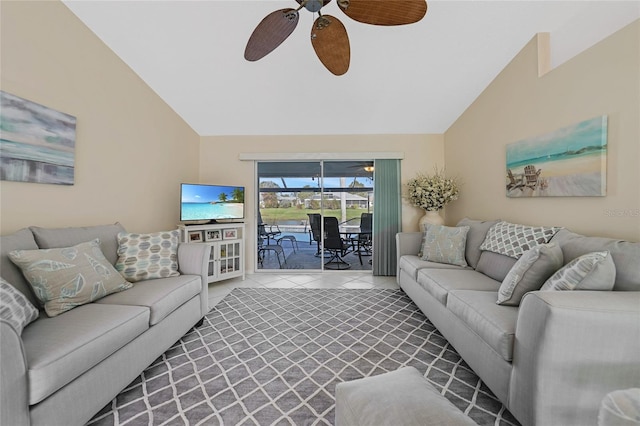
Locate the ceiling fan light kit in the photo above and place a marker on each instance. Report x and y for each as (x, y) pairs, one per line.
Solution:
(328, 35)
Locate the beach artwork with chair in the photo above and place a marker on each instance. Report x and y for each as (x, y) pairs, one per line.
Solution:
(569, 162)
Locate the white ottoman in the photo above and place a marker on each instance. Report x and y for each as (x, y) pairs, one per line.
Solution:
(401, 397)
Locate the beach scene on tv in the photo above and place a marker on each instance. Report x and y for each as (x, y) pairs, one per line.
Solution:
(211, 202)
(569, 162)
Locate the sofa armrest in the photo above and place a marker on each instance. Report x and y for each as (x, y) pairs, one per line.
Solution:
(571, 349)
(193, 259)
(408, 243)
(14, 388)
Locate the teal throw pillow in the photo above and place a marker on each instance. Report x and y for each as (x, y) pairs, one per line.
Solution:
(445, 244)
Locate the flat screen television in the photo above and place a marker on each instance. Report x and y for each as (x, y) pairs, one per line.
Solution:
(200, 202)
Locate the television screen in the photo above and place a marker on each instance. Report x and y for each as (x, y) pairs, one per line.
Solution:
(211, 202)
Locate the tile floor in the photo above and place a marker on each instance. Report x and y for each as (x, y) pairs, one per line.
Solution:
(327, 279)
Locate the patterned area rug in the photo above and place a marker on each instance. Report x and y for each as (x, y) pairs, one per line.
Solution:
(274, 356)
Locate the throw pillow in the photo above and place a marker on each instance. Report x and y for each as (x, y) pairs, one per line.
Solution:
(445, 244)
(15, 308)
(424, 228)
(591, 271)
(63, 278)
(148, 256)
(513, 240)
(529, 273)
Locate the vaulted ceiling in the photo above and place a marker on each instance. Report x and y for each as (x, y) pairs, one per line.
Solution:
(411, 79)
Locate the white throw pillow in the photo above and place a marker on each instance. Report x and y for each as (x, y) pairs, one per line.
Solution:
(591, 271)
(513, 240)
(529, 273)
(15, 308)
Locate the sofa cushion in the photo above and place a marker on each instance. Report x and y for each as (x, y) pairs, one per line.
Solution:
(445, 244)
(411, 264)
(162, 296)
(477, 232)
(494, 324)
(60, 349)
(495, 265)
(591, 271)
(63, 278)
(148, 256)
(439, 282)
(512, 239)
(529, 273)
(15, 308)
(67, 237)
(21, 240)
(625, 255)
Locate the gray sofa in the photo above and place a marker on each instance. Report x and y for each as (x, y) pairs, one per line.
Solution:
(62, 370)
(552, 359)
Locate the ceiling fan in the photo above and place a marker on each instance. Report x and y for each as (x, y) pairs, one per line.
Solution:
(328, 35)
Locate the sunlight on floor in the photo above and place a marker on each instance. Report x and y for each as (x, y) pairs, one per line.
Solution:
(356, 279)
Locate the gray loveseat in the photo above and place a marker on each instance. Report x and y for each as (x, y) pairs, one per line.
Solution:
(62, 370)
(552, 359)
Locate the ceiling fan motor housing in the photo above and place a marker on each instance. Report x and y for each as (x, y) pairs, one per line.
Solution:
(313, 6)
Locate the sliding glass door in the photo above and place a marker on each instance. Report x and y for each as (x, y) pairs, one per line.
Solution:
(299, 205)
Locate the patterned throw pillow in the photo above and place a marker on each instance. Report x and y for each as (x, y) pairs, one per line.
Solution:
(423, 229)
(591, 271)
(15, 308)
(529, 273)
(513, 240)
(148, 256)
(445, 244)
(63, 278)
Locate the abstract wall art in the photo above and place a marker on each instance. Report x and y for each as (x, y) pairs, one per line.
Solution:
(37, 144)
(568, 162)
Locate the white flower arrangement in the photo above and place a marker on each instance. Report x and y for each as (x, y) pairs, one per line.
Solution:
(432, 192)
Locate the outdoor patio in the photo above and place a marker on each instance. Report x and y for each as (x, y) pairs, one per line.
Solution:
(302, 254)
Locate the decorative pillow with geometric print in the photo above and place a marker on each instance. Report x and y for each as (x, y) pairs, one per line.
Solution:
(148, 256)
(591, 271)
(513, 240)
(15, 308)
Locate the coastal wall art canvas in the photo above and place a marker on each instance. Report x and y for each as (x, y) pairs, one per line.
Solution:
(37, 144)
(569, 162)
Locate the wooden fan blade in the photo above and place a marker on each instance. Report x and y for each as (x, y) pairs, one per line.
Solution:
(331, 43)
(270, 33)
(384, 12)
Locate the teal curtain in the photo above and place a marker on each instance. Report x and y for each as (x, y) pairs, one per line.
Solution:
(387, 216)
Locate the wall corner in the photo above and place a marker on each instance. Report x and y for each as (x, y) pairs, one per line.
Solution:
(544, 53)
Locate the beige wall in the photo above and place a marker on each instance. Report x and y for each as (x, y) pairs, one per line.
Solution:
(219, 160)
(132, 150)
(603, 80)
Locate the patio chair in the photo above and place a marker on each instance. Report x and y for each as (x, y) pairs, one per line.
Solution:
(334, 244)
(269, 232)
(276, 248)
(365, 236)
(315, 232)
